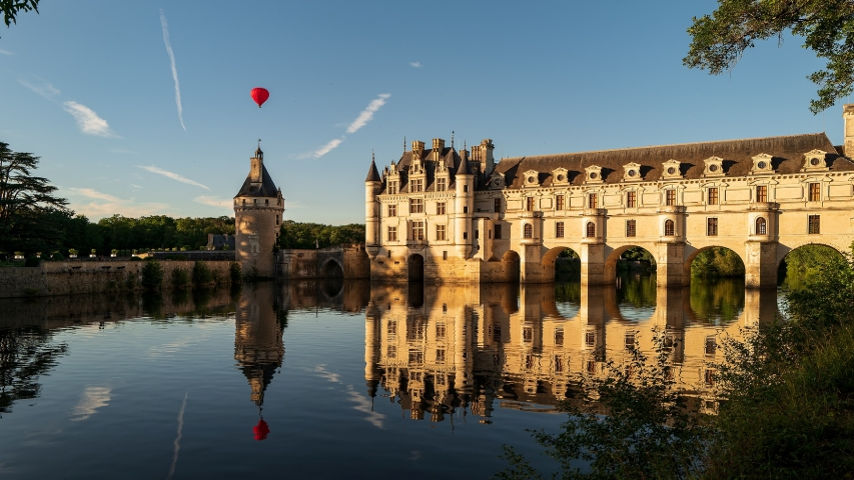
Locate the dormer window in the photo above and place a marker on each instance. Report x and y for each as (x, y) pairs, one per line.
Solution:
(560, 176)
(671, 170)
(815, 161)
(631, 172)
(714, 167)
(532, 178)
(441, 184)
(496, 181)
(762, 164)
(594, 174)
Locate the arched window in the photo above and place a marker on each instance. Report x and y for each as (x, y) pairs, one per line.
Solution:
(761, 226)
(529, 231)
(591, 229)
(669, 228)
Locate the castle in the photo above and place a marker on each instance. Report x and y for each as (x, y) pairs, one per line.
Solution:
(258, 208)
(445, 215)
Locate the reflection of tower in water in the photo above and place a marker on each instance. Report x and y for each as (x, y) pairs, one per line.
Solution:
(258, 346)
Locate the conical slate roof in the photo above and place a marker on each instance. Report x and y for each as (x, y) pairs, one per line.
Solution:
(264, 188)
(373, 174)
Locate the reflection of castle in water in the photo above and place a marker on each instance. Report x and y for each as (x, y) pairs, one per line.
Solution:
(468, 346)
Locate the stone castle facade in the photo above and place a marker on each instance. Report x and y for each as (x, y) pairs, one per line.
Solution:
(258, 208)
(445, 215)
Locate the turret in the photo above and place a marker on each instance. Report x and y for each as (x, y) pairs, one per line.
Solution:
(373, 186)
(463, 209)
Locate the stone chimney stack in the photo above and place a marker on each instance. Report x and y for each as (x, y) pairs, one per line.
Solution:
(848, 116)
(438, 147)
(256, 164)
(417, 150)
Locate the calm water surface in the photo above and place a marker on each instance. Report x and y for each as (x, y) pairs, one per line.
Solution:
(327, 380)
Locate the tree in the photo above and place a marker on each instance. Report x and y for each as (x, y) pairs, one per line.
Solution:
(12, 7)
(24, 198)
(719, 40)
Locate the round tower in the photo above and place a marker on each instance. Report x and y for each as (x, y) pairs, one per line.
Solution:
(373, 186)
(258, 208)
(463, 208)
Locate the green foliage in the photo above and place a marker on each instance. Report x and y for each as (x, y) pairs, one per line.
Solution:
(718, 302)
(202, 275)
(311, 235)
(180, 279)
(717, 262)
(827, 26)
(152, 276)
(11, 9)
(639, 293)
(804, 264)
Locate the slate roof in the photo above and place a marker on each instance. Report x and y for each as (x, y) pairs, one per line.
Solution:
(266, 188)
(787, 152)
(373, 175)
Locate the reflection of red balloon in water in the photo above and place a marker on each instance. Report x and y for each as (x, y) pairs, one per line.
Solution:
(261, 430)
(260, 95)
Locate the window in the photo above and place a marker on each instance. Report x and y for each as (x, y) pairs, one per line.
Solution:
(591, 230)
(528, 231)
(392, 328)
(591, 200)
(814, 226)
(631, 228)
(465, 209)
(558, 364)
(465, 188)
(496, 205)
(559, 204)
(417, 185)
(527, 334)
(440, 208)
(441, 185)
(416, 205)
(559, 229)
(590, 339)
(670, 197)
(391, 352)
(761, 226)
(440, 232)
(530, 204)
(440, 330)
(392, 186)
(417, 231)
(713, 196)
(631, 199)
(392, 210)
(712, 226)
(498, 232)
(669, 228)
(440, 356)
(762, 193)
(630, 341)
(416, 356)
(711, 345)
(815, 192)
(392, 234)
(558, 337)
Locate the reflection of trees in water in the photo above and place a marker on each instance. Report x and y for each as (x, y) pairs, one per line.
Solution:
(25, 353)
(636, 290)
(717, 302)
(568, 292)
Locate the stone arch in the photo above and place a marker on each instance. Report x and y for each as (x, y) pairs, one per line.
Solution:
(549, 259)
(332, 268)
(689, 260)
(511, 263)
(781, 261)
(610, 274)
(415, 268)
(784, 250)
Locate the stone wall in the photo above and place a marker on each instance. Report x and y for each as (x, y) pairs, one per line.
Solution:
(82, 276)
(349, 262)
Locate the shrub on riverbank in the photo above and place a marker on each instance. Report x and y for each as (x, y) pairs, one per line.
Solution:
(152, 276)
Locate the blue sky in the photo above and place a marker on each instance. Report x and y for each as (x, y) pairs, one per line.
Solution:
(89, 86)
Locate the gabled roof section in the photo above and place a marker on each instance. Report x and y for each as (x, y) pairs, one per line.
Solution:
(787, 152)
(264, 188)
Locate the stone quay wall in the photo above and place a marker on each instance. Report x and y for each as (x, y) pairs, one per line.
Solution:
(84, 276)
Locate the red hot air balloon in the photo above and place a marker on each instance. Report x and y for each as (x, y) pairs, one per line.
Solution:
(260, 95)
(261, 430)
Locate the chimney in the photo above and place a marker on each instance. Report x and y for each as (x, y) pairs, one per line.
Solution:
(256, 163)
(417, 149)
(848, 117)
(438, 147)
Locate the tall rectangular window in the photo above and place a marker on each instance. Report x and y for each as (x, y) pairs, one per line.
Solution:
(440, 208)
(529, 206)
(712, 226)
(441, 185)
(559, 229)
(814, 224)
(558, 337)
(496, 205)
(416, 185)
(761, 193)
(592, 200)
(497, 231)
(631, 228)
(416, 205)
(713, 196)
(559, 205)
(631, 199)
(392, 186)
(440, 232)
(670, 197)
(392, 234)
(392, 210)
(815, 192)
(417, 231)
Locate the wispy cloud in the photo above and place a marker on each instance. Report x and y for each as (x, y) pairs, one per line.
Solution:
(106, 204)
(88, 121)
(171, 54)
(40, 87)
(92, 193)
(5, 52)
(174, 176)
(332, 145)
(416, 64)
(214, 201)
(368, 113)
